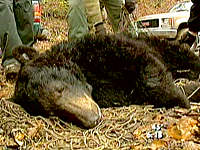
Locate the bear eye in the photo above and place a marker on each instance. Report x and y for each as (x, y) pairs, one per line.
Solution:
(89, 87)
(60, 90)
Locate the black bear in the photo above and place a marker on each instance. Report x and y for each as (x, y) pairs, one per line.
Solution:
(111, 70)
(123, 71)
(177, 57)
(54, 85)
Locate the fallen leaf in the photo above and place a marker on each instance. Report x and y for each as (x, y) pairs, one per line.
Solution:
(157, 144)
(137, 147)
(159, 117)
(32, 132)
(19, 136)
(183, 129)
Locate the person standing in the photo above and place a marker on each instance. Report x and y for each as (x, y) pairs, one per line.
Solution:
(193, 23)
(16, 21)
(84, 15)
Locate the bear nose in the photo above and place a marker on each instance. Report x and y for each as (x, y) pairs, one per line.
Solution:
(95, 115)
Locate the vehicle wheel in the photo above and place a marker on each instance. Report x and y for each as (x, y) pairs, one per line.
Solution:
(181, 33)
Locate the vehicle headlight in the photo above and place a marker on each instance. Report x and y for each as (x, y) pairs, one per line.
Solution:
(167, 22)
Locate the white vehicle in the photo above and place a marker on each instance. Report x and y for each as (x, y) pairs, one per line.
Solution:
(169, 25)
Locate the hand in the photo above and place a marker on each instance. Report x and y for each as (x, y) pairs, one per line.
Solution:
(100, 29)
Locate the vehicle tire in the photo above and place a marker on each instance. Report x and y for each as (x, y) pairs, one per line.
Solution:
(181, 33)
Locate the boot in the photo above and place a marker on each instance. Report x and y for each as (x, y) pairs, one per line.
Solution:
(100, 29)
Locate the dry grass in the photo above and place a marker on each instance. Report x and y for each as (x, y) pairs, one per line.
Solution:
(120, 128)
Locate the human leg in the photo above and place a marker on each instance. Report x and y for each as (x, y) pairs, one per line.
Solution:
(193, 25)
(77, 20)
(93, 12)
(113, 9)
(8, 25)
(23, 11)
(17, 24)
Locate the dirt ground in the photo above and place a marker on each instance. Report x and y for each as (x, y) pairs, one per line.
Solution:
(125, 128)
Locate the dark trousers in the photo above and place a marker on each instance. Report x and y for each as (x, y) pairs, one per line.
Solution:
(16, 19)
(194, 20)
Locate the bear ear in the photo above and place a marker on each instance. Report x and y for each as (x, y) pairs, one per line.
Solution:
(24, 53)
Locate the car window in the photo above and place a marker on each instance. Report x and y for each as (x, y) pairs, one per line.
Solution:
(184, 6)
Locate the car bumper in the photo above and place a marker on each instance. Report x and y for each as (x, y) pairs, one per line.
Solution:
(166, 33)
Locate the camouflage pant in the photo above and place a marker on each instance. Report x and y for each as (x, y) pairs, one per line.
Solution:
(84, 14)
(17, 20)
